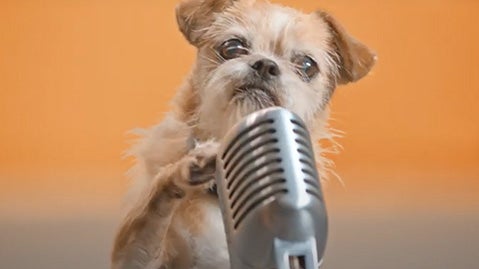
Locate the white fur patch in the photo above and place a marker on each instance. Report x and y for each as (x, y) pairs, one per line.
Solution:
(279, 21)
(210, 247)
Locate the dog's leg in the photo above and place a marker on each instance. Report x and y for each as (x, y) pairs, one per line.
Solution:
(145, 238)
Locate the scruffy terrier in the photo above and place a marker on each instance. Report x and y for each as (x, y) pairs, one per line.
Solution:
(251, 55)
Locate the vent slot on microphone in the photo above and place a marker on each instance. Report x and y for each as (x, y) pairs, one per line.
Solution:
(266, 187)
(312, 188)
(244, 132)
(239, 153)
(303, 142)
(307, 160)
(258, 201)
(246, 191)
(297, 123)
(250, 186)
(247, 173)
(252, 169)
(263, 149)
(254, 184)
(247, 181)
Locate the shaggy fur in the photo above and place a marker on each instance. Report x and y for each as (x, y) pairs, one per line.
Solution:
(174, 221)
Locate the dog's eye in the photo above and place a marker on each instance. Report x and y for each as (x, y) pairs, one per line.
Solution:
(306, 67)
(232, 48)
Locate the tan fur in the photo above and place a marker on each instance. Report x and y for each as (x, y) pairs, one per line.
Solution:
(172, 220)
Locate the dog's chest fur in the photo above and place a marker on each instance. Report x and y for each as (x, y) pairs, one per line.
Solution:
(209, 247)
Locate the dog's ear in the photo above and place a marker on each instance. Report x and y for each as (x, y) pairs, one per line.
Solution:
(195, 16)
(354, 59)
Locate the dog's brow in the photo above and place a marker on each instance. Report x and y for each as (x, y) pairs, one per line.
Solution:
(279, 21)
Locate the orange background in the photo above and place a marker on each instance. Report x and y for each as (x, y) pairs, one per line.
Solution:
(75, 76)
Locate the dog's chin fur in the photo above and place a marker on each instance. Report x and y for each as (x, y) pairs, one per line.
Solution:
(215, 96)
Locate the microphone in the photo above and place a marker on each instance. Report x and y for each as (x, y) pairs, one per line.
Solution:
(270, 195)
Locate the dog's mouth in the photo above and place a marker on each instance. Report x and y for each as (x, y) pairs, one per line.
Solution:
(257, 94)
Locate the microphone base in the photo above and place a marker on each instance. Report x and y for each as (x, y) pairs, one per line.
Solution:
(295, 255)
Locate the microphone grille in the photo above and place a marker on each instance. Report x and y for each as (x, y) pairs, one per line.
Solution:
(253, 155)
(261, 158)
(269, 191)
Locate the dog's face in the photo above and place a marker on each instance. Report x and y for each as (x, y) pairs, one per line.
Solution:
(253, 55)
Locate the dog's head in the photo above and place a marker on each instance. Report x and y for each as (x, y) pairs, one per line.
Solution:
(254, 54)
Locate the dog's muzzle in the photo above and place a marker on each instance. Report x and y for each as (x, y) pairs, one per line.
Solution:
(257, 94)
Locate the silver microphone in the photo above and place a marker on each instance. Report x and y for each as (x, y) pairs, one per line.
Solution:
(270, 195)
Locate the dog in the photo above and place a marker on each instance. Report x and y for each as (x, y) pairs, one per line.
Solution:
(251, 54)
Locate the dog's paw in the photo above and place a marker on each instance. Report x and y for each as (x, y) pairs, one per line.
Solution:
(199, 168)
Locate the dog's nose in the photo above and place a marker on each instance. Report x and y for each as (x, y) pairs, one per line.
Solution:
(266, 68)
